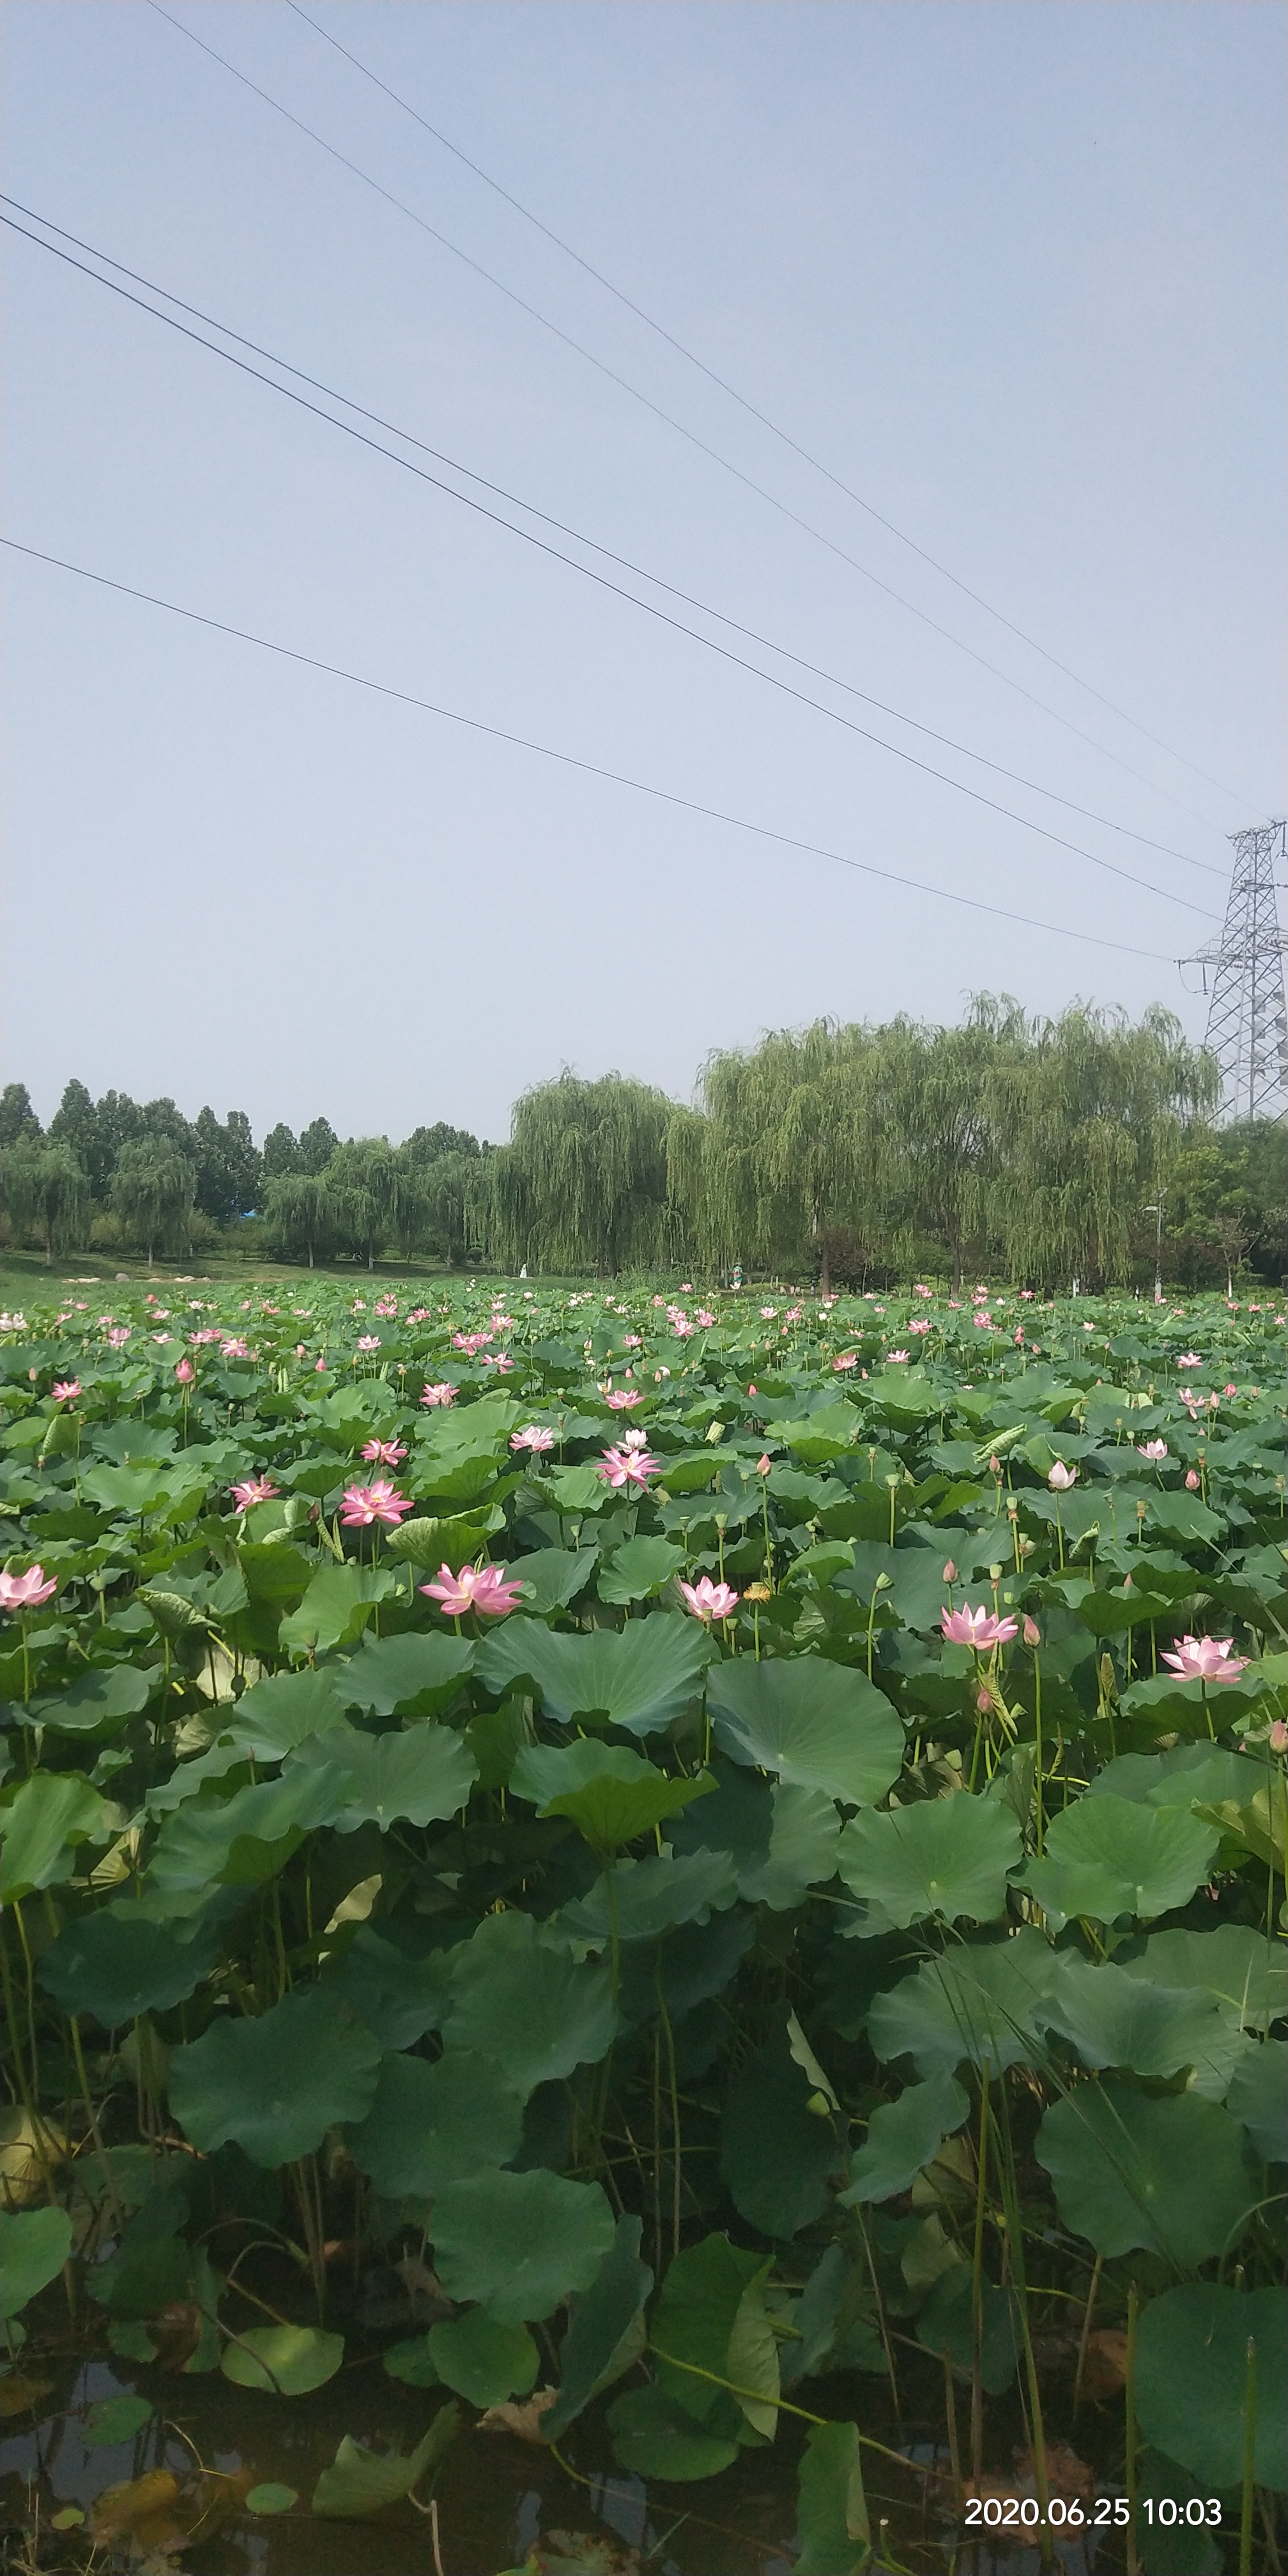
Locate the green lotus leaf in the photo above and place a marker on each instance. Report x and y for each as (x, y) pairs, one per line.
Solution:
(654, 2437)
(527, 2006)
(414, 1671)
(944, 1857)
(103, 1697)
(1117, 2020)
(417, 1777)
(277, 2084)
(115, 2419)
(270, 2497)
(517, 2242)
(777, 2143)
(649, 1897)
(983, 2000)
(946, 2324)
(427, 1542)
(832, 2510)
(637, 1678)
(336, 1608)
(1192, 2379)
(817, 1725)
(282, 2361)
(904, 2136)
(281, 1709)
(605, 2332)
(554, 1576)
(244, 1840)
(116, 1964)
(431, 2124)
(1107, 1857)
(410, 2362)
(637, 1570)
(693, 2320)
(399, 1998)
(1247, 1970)
(804, 1834)
(611, 1795)
(1258, 2098)
(482, 2360)
(34, 2245)
(1169, 2172)
(1204, 1771)
(44, 1822)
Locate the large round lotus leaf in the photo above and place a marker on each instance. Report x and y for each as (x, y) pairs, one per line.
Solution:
(775, 2152)
(1258, 2097)
(528, 2007)
(430, 2124)
(903, 2136)
(803, 1836)
(417, 1777)
(34, 2245)
(652, 2436)
(280, 1710)
(423, 1670)
(284, 2361)
(43, 1822)
(817, 1724)
(694, 2318)
(638, 1677)
(553, 1576)
(1246, 1970)
(115, 1964)
(1106, 1857)
(650, 1897)
(517, 2242)
(275, 2085)
(1192, 2380)
(398, 1998)
(482, 2360)
(611, 1795)
(1168, 2172)
(983, 2000)
(1116, 2020)
(242, 1840)
(639, 1569)
(99, 1698)
(606, 2332)
(944, 1856)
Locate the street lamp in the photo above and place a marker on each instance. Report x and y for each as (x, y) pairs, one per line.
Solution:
(1155, 1209)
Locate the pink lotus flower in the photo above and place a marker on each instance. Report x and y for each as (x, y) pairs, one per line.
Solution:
(622, 1398)
(920, 1289)
(185, 1372)
(978, 1628)
(627, 1466)
(632, 1342)
(253, 1489)
(442, 1394)
(1192, 1480)
(535, 1438)
(364, 1504)
(26, 1591)
(470, 1342)
(369, 1341)
(847, 1360)
(895, 1359)
(234, 1350)
(705, 1320)
(1206, 1659)
(919, 1324)
(1189, 1359)
(1060, 1477)
(767, 1316)
(1154, 1450)
(984, 1323)
(634, 1440)
(66, 1390)
(384, 1453)
(498, 1360)
(484, 1588)
(708, 1600)
(119, 1335)
(1231, 1390)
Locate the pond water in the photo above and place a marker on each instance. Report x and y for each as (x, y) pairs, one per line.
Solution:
(498, 2498)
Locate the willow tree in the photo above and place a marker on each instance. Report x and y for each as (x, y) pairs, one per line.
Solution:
(1094, 1113)
(153, 1187)
(582, 1183)
(784, 1149)
(46, 1188)
(375, 1197)
(300, 1209)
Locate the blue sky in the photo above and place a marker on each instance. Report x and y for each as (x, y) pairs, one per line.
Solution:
(1012, 272)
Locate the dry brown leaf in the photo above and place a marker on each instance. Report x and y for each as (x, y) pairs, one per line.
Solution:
(142, 2510)
(1104, 2370)
(524, 2420)
(176, 2333)
(20, 2395)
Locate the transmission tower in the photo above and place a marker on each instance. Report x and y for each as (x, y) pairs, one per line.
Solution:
(1247, 1029)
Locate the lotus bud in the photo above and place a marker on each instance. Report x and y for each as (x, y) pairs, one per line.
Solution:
(995, 1466)
(1030, 1632)
(1192, 1482)
(950, 1572)
(762, 1465)
(995, 1574)
(1278, 1736)
(185, 1372)
(983, 1700)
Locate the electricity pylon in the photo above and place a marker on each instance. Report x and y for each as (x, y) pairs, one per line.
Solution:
(1247, 1029)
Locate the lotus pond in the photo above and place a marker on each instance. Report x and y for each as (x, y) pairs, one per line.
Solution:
(643, 1934)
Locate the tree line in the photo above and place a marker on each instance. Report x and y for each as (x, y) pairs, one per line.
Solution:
(860, 1154)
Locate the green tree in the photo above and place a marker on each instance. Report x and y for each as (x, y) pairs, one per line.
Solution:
(46, 1187)
(375, 1196)
(429, 1144)
(583, 1181)
(318, 1142)
(18, 1120)
(152, 1193)
(75, 1123)
(229, 1170)
(300, 1209)
(281, 1153)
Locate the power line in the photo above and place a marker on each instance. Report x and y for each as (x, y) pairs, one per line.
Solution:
(590, 768)
(713, 377)
(587, 572)
(624, 562)
(726, 464)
